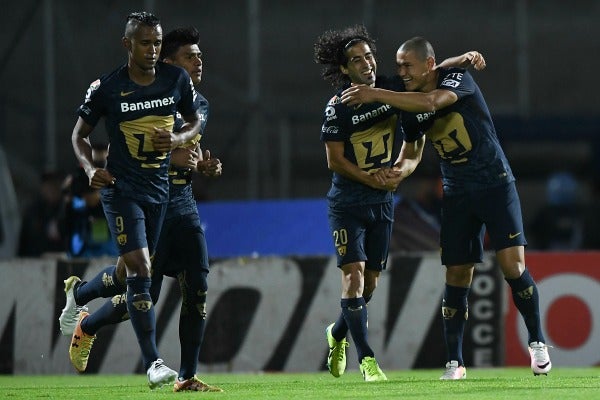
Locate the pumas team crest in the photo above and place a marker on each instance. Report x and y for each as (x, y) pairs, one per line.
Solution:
(122, 239)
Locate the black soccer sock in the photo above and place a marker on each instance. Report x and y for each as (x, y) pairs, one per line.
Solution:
(104, 284)
(355, 314)
(192, 321)
(340, 329)
(455, 311)
(141, 313)
(527, 300)
(111, 312)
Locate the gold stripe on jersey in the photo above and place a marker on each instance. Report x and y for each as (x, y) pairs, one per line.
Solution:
(450, 138)
(373, 146)
(138, 137)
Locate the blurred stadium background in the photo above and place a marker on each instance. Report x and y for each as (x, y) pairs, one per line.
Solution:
(266, 93)
(267, 99)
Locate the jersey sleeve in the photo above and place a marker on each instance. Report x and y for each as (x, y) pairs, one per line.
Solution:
(190, 101)
(408, 128)
(94, 106)
(457, 80)
(333, 119)
(204, 108)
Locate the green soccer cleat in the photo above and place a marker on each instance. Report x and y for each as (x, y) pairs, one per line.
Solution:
(336, 359)
(371, 371)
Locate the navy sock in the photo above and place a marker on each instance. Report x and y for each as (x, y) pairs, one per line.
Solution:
(141, 313)
(527, 300)
(105, 284)
(192, 320)
(340, 329)
(455, 311)
(111, 312)
(355, 314)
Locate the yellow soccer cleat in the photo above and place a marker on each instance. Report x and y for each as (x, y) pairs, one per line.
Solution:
(194, 385)
(81, 345)
(336, 359)
(371, 371)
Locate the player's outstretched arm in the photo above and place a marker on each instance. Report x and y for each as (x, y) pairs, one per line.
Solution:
(470, 58)
(407, 101)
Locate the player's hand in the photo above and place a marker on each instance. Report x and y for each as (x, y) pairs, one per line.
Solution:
(475, 59)
(184, 158)
(163, 140)
(387, 179)
(210, 166)
(358, 94)
(100, 178)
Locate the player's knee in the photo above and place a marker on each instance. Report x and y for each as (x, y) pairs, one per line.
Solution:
(193, 291)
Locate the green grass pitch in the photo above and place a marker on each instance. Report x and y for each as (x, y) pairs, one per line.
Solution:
(481, 384)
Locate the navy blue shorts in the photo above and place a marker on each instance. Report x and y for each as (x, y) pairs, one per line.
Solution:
(133, 224)
(465, 218)
(362, 233)
(181, 247)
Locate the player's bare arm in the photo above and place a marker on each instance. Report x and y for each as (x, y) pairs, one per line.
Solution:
(164, 140)
(407, 101)
(410, 156)
(98, 177)
(470, 58)
(183, 157)
(189, 129)
(340, 164)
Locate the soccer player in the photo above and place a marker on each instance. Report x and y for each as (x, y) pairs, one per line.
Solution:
(139, 102)
(479, 189)
(369, 156)
(182, 251)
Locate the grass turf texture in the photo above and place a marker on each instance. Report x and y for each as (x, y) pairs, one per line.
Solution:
(481, 384)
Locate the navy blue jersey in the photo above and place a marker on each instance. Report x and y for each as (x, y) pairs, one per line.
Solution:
(464, 137)
(131, 112)
(372, 140)
(181, 198)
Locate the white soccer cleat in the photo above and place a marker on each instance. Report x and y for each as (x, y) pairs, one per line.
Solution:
(540, 360)
(70, 314)
(454, 371)
(160, 375)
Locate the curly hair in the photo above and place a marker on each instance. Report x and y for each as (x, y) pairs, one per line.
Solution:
(330, 50)
(177, 38)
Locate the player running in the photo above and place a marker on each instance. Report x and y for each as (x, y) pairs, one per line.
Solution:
(181, 251)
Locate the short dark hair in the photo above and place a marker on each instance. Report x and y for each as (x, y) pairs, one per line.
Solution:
(136, 19)
(420, 46)
(330, 50)
(173, 40)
